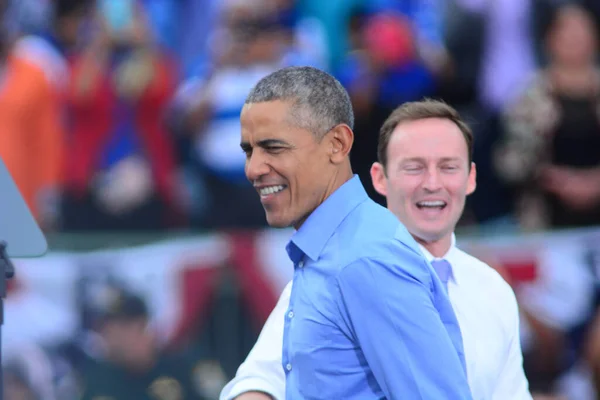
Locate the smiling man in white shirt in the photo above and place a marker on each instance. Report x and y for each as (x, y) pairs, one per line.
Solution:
(425, 170)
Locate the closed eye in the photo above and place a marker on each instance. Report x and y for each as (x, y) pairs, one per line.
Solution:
(449, 168)
(275, 149)
(412, 169)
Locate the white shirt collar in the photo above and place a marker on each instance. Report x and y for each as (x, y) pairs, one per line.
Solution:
(448, 257)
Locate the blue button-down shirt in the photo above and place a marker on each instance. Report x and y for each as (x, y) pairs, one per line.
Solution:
(368, 318)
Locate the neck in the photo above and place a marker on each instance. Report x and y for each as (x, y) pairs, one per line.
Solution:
(437, 248)
(343, 175)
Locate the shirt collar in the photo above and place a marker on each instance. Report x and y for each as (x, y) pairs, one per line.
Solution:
(449, 256)
(320, 225)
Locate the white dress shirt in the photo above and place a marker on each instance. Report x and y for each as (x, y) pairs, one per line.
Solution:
(487, 313)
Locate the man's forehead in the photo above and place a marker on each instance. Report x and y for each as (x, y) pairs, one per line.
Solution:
(257, 134)
(276, 109)
(441, 134)
(280, 130)
(424, 151)
(440, 127)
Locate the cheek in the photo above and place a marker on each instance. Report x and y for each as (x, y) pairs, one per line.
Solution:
(405, 187)
(458, 190)
(400, 194)
(307, 173)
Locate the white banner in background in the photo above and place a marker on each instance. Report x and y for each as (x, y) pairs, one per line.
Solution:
(552, 274)
(42, 304)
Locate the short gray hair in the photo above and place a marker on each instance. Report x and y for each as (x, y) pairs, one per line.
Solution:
(320, 102)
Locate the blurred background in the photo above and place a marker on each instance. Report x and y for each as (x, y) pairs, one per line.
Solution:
(119, 123)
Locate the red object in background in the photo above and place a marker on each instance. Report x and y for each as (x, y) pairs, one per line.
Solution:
(198, 285)
(389, 39)
(257, 293)
(93, 118)
(521, 271)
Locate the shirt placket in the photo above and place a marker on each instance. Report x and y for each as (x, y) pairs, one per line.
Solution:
(287, 361)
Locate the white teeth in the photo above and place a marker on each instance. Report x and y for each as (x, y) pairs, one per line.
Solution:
(271, 189)
(437, 203)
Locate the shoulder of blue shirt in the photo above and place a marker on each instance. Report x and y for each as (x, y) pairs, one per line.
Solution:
(349, 227)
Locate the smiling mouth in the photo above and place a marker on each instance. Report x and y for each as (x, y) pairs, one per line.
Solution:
(269, 190)
(431, 205)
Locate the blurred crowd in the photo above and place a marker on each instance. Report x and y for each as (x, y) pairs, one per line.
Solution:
(122, 115)
(115, 353)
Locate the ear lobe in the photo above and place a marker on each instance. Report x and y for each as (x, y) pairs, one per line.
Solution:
(378, 178)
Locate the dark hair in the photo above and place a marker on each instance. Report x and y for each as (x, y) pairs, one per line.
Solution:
(417, 110)
(320, 102)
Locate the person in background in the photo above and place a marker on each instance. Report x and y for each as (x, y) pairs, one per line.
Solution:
(130, 365)
(33, 80)
(207, 115)
(549, 156)
(120, 166)
(550, 153)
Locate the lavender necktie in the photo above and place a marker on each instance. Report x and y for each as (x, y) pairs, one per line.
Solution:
(443, 270)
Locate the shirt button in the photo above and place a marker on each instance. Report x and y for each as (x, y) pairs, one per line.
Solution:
(301, 264)
(291, 315)
(288, 367)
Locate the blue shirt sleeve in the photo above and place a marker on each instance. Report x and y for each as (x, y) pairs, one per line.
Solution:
(388, 308)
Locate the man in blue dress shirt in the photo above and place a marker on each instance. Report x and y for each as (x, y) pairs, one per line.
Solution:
(368, 318)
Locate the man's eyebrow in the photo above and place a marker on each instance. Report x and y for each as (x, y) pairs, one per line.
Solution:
(422, 159)
(245, 146)
(264, 143)
(446, 159)
(413, 159)
(272, 142)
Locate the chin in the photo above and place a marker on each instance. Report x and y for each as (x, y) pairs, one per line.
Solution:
(278, 222)
(429, 235)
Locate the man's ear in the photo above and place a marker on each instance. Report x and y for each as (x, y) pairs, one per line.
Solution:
(341, 139)
(378, 178)
(472, 180)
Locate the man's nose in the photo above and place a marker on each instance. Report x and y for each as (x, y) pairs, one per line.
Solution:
(256, 167)
(432, 180)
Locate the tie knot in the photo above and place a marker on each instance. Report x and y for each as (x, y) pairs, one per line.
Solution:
(443, 270)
